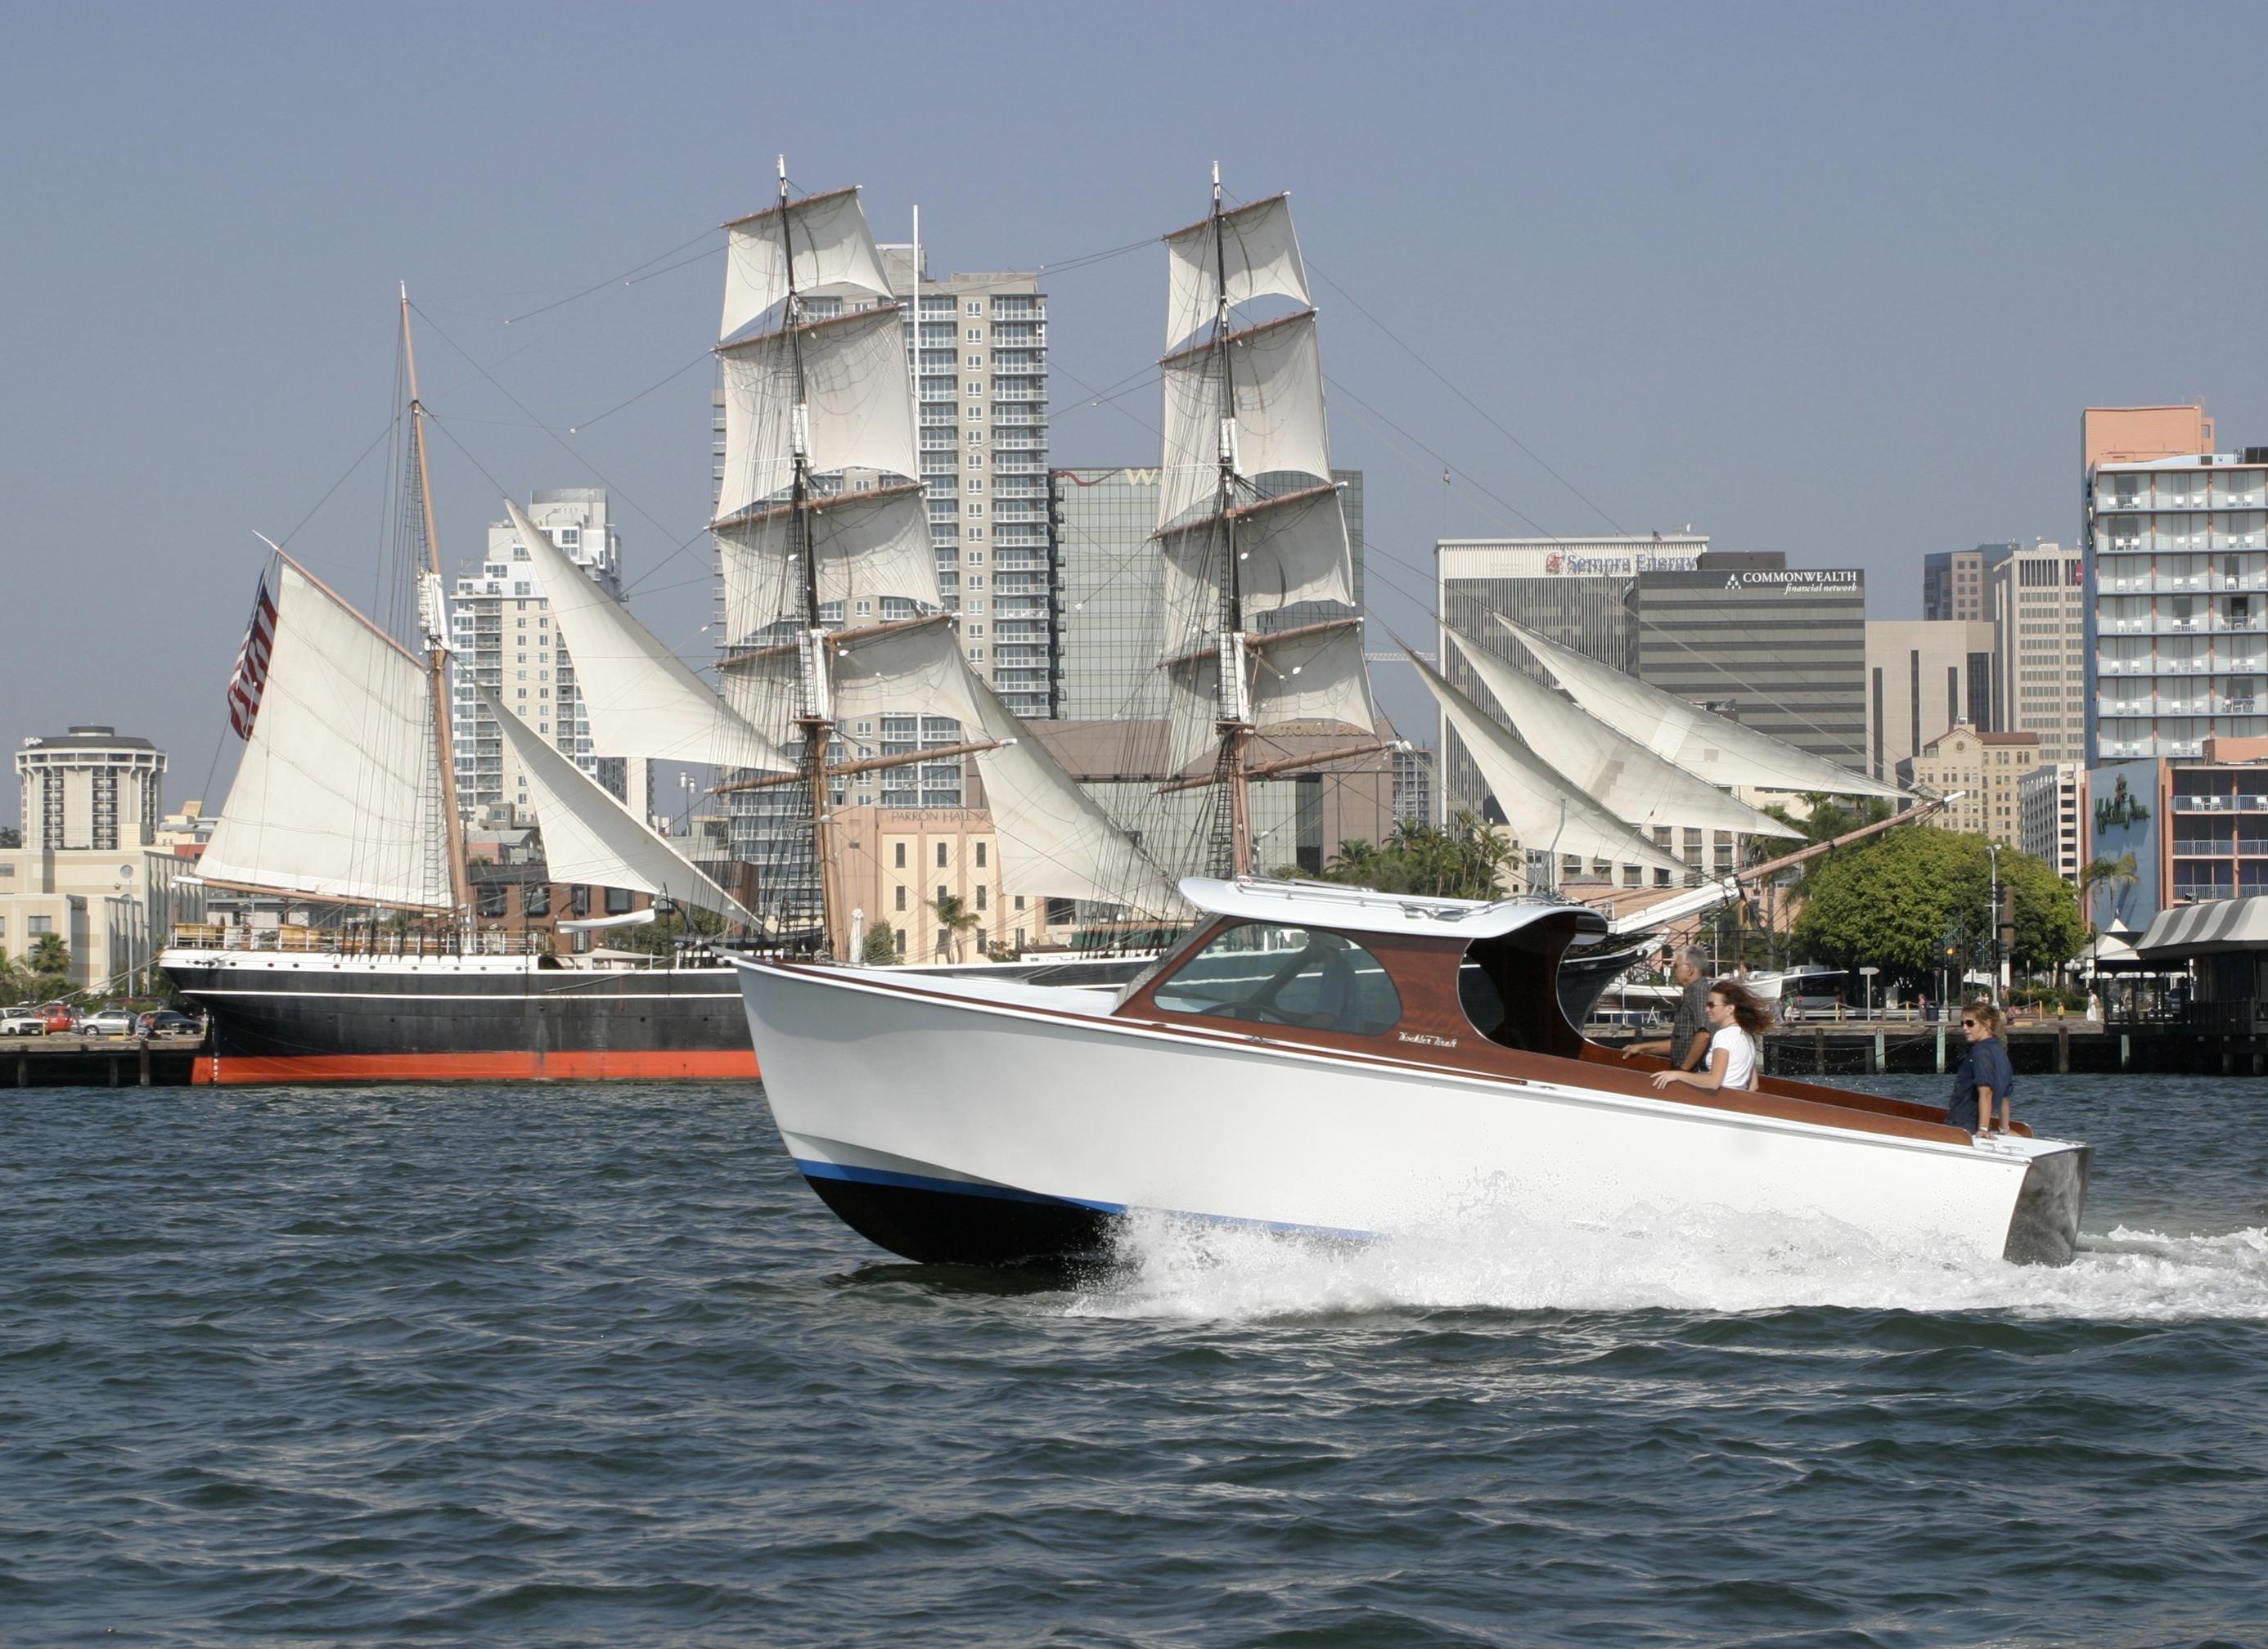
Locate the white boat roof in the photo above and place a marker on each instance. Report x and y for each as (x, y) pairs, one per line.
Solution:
(1365, 911)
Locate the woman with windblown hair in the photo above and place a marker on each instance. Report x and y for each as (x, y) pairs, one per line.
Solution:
(1737, 1020)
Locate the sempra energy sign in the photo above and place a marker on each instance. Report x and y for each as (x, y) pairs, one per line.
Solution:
(1615, 566)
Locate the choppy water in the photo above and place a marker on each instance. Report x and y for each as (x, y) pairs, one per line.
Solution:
(591, 1366)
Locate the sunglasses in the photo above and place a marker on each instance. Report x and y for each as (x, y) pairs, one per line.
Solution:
(1967, 1024)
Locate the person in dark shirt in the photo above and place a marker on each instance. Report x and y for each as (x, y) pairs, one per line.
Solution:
(1985, 1077)
(1687, 1044)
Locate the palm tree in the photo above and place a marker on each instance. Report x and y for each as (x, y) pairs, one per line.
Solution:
(954, 914)
(2117, 875)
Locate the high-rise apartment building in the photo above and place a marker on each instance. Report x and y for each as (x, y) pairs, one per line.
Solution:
(89, 788)
(2176, 535)
(2049, 800)
(978, 353)
(502, 637)
(1779, 649)
(2039, 618)
(1954, 582)
(1581, 593)
(1923, 677)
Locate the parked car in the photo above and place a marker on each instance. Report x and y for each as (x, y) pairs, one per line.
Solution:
(23, 1022)
(109, 1022)
(166, 1022)
(60, 1019)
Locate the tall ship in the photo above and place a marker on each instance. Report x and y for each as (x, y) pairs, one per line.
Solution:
(1329, 1060)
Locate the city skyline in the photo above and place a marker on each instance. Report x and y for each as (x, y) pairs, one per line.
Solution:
(1770, 328)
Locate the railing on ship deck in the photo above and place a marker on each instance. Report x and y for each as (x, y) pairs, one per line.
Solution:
(213, 936)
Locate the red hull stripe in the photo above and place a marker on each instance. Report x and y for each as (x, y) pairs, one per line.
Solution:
(502, 1065)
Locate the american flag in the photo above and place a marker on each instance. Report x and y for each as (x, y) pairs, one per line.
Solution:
(252, 664)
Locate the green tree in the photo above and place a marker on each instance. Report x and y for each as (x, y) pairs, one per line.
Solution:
(660, 936)
(958, 920)
(50, 960)
(1467, 860)
(1829, 817)
(881, 947)
(1890, 901)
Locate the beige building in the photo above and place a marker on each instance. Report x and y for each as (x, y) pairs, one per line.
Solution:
(898, 863)
(2039, 621)
(1988, 770)
(1923, 677)
(2048, 802)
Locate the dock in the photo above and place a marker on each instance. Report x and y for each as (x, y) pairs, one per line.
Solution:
(71, 1061)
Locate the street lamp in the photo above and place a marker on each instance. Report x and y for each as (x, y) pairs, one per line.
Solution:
(1867, 973)
(1993, 915)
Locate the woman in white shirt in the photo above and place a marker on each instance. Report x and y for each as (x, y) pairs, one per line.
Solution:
(1737, 1022)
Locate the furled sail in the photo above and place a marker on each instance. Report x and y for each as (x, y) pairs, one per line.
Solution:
(857, 409)
(641, 701)
(832, 248)
(1702, 742)
(588, 836)
(1540, 806)
(1278, 372)
(1262, 258)
(1618, 773)
(338, 794)
(864, 545)
(1290, 549)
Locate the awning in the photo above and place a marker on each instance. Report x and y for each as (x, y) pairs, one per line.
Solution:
(2205, 929)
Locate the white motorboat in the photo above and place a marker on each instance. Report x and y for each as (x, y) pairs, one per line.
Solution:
(1336, 1061)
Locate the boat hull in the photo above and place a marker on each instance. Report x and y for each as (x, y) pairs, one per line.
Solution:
(342, 1019)
(950, 1129)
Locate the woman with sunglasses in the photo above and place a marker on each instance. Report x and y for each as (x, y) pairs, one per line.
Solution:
(1737, 1021)
(1986, 1075)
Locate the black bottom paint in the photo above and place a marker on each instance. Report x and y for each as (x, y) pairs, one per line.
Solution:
(953, 1228)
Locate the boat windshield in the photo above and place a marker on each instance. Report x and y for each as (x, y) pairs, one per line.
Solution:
(1268, 975)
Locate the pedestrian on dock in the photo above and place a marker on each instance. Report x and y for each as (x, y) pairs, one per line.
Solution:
(1986, 1077)
(1738, 1019)
(1687, 1045)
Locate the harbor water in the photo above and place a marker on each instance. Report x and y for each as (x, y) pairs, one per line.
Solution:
(590, 1365)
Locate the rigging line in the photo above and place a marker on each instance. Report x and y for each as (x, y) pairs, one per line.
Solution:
(576, 428)
(1085, 258)
(343, 479)
(1486, 417)
(580, 458)
(1477, 485)
(623, 279)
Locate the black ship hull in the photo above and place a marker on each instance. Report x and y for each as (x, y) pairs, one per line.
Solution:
(328, 1018)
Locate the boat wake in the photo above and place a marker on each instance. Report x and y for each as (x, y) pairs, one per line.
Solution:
(1715, 1260)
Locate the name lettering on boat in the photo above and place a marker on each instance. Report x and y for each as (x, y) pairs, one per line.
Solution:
(1426, 1038)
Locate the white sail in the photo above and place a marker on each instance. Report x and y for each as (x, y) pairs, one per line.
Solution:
(860, 413)
(1311, 675)
(1260, 251)
(1277, 371)
(1618, 773)
(1055, 841)
(641, 701)
(1702, 742)
(588, 836)
(832, 248)
(338, 794)
(1290, 550)
(1542, 809)
(864, 545)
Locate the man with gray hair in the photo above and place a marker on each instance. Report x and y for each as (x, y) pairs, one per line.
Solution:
(1687, 1045)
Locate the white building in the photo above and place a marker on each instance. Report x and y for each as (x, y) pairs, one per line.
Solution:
(2179, 539)
(2047, 800)
(502, 635)
(2039, 619)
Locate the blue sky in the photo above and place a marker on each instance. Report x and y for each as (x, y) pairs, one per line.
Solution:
(1813, 279)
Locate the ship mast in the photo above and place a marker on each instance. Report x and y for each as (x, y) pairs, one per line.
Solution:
(814, 710)
(434, 617)
(1234, 721)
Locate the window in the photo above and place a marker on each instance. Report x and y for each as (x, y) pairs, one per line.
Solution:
(37, 925)
(974, 308)
(579, 902)
(1262, 974)
(940, 855)
(901, 896)
(975, 364)
(980, 856)
(618, 902)
(900, 938)
(492, 897)
(976, 335)
(535, 899)
(980, 895)
(901, 854)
